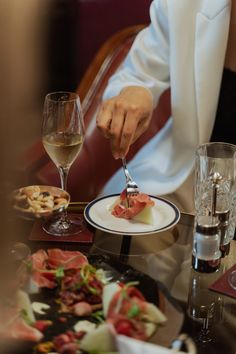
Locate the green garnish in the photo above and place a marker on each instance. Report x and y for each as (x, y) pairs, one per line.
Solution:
(123, 294)
(98, 315)
(28, 264)
(24, 315)
(94, 291)
(60, 273)
(88, 273)
(133, 311)
(131, 283)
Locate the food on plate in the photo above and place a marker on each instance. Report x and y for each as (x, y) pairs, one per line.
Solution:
(89, 310)
(39, 199)
(79, 285)
(100, 340)
(18, 328)
(40, 307)
(127, 313)
(54, 258)
(48, 267)
(140, 208)
(18, 321)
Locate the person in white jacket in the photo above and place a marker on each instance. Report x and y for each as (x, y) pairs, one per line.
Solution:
(185, 48)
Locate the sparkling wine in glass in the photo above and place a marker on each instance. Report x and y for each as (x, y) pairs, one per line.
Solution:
(62, 136)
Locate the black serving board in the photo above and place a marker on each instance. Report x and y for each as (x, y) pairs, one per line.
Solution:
(150, 288)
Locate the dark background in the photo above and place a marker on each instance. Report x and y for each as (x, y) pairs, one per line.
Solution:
(78, 28)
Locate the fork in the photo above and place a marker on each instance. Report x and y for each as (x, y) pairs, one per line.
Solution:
(131, 186)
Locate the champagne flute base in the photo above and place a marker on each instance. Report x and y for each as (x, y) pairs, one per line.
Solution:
(68, 226)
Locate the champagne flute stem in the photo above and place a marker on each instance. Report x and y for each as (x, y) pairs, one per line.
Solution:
(63, 177)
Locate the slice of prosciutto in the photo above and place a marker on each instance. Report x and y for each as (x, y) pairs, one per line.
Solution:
(39, 259)
(137, 204)
(66, 259)
(46, 263)
(55, 258)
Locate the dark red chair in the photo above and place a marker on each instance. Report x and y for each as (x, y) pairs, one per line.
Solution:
(95, 164)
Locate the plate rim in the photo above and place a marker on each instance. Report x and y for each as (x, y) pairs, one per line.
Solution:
(130, 233)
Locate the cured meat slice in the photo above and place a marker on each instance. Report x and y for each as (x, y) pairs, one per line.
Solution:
(129, 312)
(66, 259)
(44, 279)
(140, 207)
(45, 265)
(42, 276)
(124, 312)
(39, 259)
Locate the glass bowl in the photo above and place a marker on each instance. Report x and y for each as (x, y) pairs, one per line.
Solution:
(39, 201)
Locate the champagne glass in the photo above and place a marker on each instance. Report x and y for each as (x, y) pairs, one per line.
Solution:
(63, 135)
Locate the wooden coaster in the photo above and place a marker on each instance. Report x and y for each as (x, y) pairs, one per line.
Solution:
(221, 285)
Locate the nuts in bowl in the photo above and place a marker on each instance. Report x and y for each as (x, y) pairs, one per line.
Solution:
(40, 201)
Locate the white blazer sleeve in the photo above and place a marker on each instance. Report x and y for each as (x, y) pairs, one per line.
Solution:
(147, 63)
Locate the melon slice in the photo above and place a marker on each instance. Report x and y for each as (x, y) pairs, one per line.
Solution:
(145, 216)
(140, 208)
(99, 340)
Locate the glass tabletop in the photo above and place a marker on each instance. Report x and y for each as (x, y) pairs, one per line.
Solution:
(209, 317)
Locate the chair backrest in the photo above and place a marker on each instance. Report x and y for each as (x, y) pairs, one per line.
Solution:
(95, 164)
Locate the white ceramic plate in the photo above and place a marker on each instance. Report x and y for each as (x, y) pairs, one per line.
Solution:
(98, 214)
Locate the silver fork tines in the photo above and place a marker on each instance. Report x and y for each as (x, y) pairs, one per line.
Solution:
(131, 185)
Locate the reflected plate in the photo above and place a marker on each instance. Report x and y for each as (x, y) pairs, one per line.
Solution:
(98, 214)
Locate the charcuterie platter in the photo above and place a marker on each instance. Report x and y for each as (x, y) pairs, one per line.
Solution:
(81, 303)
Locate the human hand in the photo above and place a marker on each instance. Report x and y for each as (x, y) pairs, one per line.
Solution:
(125, 117)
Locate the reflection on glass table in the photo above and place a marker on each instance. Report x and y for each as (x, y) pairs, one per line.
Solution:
(167, 257)
(204, 307)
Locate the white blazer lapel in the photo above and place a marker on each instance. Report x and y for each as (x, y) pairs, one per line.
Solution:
(212, 25)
